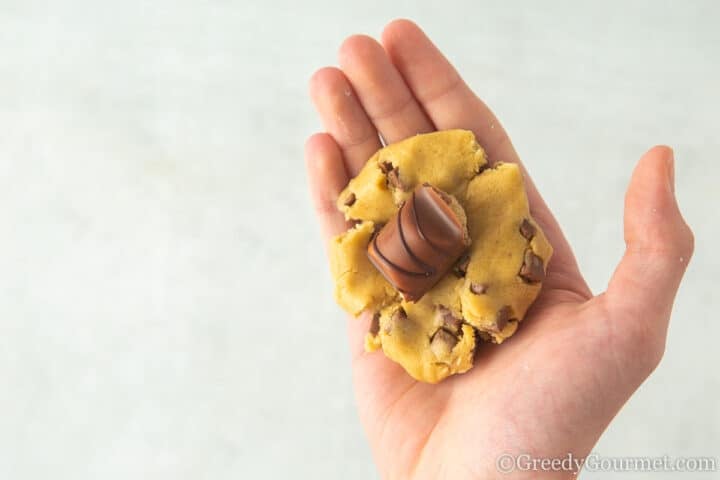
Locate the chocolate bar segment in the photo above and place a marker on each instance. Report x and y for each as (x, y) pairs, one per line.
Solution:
(420, 243)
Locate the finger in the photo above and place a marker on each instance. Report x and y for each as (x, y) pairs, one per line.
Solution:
(441, 91)
(383, 93)
(450, 103)
(658, 244)
(343, 117)
(327, 177)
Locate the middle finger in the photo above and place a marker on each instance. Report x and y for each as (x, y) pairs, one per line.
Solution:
(381, 89)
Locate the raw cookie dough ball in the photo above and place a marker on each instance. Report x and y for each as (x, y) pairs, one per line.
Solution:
(492, 285)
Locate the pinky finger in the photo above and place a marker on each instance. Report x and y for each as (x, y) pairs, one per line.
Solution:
(327, 178)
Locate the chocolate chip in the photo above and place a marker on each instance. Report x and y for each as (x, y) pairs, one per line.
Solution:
(385, 167)
(527, 229)
(375, 324)
(532, 270)
(480, 338)
(394, 179)
(448, 320)
(350, 200)
(453, 324)
(460, 268)
(501, 318)
(397, 317)
(478, 288)
(442, 343)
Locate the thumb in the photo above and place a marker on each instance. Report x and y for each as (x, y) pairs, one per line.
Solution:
(658, 244)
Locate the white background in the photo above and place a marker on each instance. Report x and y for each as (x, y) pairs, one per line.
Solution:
(165, 308)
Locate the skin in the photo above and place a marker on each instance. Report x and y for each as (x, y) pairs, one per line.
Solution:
(551, 389)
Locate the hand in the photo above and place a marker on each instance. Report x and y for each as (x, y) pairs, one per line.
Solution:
(553, 387)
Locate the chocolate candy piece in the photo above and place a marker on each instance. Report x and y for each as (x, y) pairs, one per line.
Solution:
(396, 319)
(375, 324)
(419, 244)
(442, 343)
(350, 200)
(527, 229)
(501, 318)
(393, 177)
(448, 320)
(532, 270)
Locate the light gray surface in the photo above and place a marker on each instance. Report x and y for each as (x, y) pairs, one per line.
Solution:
(160, 271)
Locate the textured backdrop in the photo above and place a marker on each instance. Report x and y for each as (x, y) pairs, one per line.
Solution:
(165, 308)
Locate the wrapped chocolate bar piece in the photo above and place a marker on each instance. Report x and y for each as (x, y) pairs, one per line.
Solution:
(421, 242)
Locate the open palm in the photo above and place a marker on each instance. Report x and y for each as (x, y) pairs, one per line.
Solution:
(553, 387)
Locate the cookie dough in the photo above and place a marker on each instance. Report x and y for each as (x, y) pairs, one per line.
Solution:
(485, 295)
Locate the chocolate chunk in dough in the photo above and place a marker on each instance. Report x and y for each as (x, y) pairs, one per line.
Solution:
(397, 317)
(502, 317)
(393, 177)
(385, 167)
(532, 270)
(375, 324)
(448, 320)
(442, 343)
(527, 229)
(350, 200)
(478, 288)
